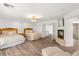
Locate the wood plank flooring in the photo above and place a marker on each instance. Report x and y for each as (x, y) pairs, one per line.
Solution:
(34, 48)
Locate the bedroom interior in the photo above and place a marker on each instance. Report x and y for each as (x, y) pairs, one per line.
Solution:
(39, 29)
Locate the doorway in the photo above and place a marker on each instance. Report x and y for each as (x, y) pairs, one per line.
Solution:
(47, 30)
(76, 34)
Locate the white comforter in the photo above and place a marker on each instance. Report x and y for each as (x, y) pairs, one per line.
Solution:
(10, 40)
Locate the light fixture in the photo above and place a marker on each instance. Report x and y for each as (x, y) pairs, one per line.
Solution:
(33, 18)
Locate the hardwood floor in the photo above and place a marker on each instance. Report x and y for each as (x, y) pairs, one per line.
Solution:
(33, 48)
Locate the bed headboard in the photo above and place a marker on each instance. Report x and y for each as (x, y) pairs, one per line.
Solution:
(9, 29)
(26, 30)
(1, 30)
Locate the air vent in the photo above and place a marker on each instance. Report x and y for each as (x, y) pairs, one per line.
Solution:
(8, 5)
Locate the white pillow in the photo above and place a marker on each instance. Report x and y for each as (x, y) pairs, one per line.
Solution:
(9, 32)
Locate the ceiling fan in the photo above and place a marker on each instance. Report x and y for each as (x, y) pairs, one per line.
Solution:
(8, 5)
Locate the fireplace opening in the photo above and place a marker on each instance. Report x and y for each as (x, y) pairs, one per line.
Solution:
(61, 34)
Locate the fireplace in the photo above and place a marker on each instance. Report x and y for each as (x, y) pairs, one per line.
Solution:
(61, 34)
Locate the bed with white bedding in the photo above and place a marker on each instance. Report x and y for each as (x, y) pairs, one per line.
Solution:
(10, 39)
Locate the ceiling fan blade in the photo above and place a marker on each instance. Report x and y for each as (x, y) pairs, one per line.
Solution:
(8, 5)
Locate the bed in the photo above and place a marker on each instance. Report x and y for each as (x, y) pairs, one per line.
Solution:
(10, 38)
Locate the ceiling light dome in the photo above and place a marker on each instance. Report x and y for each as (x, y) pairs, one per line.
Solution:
(33, 18)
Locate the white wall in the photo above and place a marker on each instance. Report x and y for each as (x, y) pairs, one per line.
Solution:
(69, 20)
(39, 26)
(18, 25)
(68, 32)
(15, 23)
(68, 35)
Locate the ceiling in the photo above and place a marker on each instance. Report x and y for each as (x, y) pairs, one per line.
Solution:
(45, 10)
